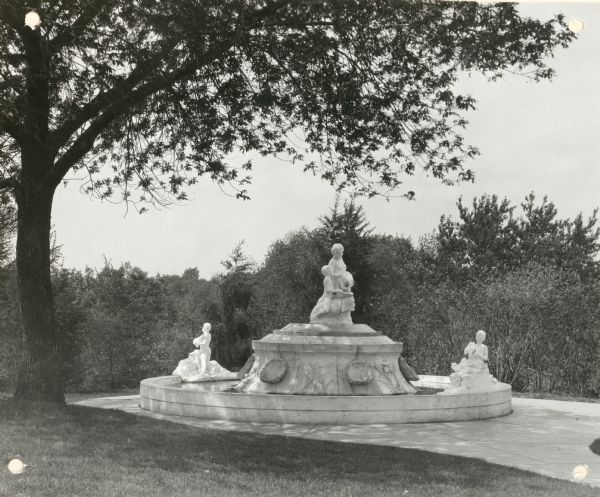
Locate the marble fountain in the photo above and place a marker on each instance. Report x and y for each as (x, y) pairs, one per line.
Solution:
(328, 371)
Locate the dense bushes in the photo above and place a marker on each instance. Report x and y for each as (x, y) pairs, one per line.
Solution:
(530, 280)
(542, 325)
(118, 325)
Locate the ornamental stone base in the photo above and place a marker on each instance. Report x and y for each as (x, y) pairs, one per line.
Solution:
(472, 382)
(319, 359)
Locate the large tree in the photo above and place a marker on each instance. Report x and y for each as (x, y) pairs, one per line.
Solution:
(149, 95)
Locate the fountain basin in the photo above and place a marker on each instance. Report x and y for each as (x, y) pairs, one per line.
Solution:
(215, 400)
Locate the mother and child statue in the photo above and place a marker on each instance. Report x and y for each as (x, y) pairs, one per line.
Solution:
(337, 301)
(334, 307)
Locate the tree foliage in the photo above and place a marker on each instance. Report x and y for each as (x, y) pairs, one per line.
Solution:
(232, 338)
(491, 236)
(288, 283)
(152, 94)
(8, 229)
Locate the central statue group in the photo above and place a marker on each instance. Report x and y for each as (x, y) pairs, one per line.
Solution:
(337, 301)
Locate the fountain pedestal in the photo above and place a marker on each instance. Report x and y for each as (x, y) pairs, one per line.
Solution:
(326, 359)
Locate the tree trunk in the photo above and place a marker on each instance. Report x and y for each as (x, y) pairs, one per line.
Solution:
(41, 370)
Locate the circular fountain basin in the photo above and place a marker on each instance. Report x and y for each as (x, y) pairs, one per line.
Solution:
(215, 400)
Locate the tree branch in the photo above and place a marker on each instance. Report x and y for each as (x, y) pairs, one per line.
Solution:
(84, 143)
(10, 128)
(116, 101)
(12, 15)
(9, 183)
(88, 111)
(91, 10)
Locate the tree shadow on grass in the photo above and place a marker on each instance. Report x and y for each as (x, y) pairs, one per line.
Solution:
(107, 444)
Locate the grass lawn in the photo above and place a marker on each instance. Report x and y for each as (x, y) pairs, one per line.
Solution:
(555, 396)
(77, 396)
(80, 451)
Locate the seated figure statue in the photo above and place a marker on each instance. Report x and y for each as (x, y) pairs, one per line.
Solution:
(198, 366)
(472, 372)
(475, 358)
(337, 300)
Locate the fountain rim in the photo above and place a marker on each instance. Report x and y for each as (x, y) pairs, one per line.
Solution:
(157, 395)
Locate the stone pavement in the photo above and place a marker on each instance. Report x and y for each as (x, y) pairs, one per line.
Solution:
(544, 436)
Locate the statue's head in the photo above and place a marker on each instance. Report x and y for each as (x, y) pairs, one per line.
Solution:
(206, 328)
(480, 336)
(337, 249)
(325, 271)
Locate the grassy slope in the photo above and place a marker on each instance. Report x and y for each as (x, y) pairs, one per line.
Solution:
(553, 396)
(78, 451)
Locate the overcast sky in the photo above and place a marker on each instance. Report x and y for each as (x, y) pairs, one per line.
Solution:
(541, 137)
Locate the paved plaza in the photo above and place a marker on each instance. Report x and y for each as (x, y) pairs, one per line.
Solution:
(548, 437)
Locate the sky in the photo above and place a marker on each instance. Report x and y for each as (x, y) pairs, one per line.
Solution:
(540, 137)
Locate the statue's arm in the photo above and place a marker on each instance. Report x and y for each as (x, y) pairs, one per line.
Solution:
(469, 349)
(328, 286)
(484, 353)
(202, 340)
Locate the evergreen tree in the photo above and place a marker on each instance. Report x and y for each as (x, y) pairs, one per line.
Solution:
(232, 339)
(288, 283)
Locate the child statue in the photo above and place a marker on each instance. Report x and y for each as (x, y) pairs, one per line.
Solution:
(472, 372)
(340, 278)
(198, 366)
(475, 358)
(202, 343)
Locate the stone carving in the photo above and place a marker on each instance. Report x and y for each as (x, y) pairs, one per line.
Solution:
(318, 379)
(274, 371)
(245, 369)
(472, 372)
(198, 366)
(408, 372)
(359, 373)
(386, 375)
(337, 301)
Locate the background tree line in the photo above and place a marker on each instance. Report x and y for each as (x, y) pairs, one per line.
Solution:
(525, 275)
